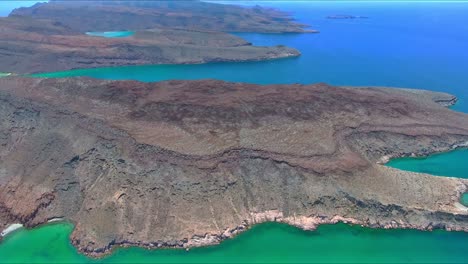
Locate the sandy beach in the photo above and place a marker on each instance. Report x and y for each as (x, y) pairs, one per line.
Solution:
(10, 229)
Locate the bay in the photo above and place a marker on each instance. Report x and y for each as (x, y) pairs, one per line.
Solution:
(451, 164)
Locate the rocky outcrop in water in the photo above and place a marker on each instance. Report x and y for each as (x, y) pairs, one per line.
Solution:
(29, 45)
(189, 163)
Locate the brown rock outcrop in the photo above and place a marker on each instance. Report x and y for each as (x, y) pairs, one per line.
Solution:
(189, 163)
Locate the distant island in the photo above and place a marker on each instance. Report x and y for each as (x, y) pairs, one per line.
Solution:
(190, 163)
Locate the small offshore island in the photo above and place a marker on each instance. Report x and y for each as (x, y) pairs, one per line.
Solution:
(190, 163)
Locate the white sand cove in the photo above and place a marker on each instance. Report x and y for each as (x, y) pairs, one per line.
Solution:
(10, 229)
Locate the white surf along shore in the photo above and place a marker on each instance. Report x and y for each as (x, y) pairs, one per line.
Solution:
(10, 228)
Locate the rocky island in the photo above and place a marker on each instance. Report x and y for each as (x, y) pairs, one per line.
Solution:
(190, 163)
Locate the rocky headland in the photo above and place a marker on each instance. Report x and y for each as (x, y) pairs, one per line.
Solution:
(30, 45)
(190, 163)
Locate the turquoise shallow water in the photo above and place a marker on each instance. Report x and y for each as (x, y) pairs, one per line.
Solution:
(464, 199)
(452, 164)
(415, 45)
(111, 34)
(266, 243)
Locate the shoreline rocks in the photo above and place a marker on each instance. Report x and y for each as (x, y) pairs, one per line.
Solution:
(306, 223)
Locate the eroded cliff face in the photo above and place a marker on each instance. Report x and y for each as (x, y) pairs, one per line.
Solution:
(189, 163)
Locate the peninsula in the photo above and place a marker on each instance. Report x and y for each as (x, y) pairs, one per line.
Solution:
(190, 163)
(139, 15)
(30, 45)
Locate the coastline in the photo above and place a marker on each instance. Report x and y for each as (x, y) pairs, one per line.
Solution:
(305, 223)
(387, 158)
(61, 73)
(388, 211)
(139, 47)
(10, 229)
(309, 220)
(290, 54)
(56, 219)
(268, 241)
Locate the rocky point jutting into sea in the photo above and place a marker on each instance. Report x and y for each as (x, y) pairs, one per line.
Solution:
(52, 36)
(190, 163)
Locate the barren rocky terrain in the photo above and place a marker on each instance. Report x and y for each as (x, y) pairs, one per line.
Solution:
(139, 15)
(29, 45)
(189, 163)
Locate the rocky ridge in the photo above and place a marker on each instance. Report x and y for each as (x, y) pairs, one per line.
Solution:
(142, 15)
(190, 163)
(52, 46)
